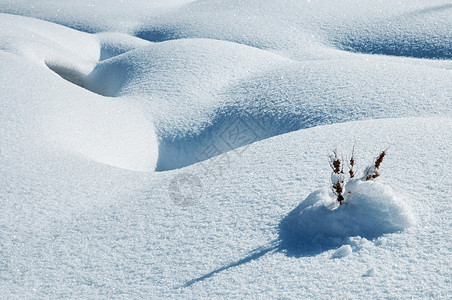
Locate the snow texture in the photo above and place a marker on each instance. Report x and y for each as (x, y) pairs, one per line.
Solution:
(178, 149)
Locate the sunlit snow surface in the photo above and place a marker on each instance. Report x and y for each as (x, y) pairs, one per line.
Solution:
(166, 149)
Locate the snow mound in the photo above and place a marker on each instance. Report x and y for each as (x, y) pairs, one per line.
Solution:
(409, 33)
(199, 92)
(53, 110)
(372, 210)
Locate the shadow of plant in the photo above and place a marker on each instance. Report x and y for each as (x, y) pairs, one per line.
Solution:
(289, 243)
(293, 244)
(316, 225)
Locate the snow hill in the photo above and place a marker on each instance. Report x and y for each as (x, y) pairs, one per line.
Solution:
(179, 149)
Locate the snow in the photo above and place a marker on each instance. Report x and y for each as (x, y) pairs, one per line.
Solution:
(179, 149)
(369, 273)
(343, 251)
(337, 178)
(114, 133)
(319, 222)
(371, 210)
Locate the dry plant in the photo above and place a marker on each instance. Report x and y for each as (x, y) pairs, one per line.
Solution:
(373, 171)
(351, 163)
(337, 177)
(338, 180)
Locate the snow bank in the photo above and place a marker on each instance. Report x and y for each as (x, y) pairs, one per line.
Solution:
(197, 90)
(372, 210)
(295, 96)
(44, 104)
(180, 84)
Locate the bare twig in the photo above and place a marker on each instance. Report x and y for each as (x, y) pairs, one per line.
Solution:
(337, 177)
(351, 163)
(372, 172)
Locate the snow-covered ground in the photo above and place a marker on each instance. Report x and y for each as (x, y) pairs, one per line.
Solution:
(179, 149)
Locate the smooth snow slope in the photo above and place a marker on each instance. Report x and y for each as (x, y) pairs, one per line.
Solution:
(234, 104)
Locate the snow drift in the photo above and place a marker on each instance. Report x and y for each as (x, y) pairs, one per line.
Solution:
(53, 110)
(81, 113)
(372, 209)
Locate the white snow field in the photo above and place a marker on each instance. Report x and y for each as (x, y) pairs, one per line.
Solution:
(179, 149)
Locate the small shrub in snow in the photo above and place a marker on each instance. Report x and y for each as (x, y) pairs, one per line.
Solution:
(338, 179)
(372, 209)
